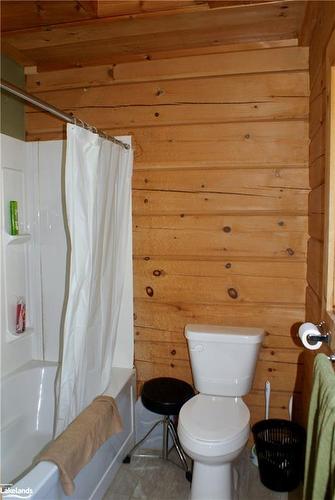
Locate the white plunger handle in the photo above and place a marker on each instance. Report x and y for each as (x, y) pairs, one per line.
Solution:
(267, 399)
(290, 405)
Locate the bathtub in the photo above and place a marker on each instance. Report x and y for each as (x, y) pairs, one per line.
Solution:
(27, 425)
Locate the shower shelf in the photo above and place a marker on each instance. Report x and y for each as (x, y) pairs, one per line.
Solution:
(18, 239)
(16, 336)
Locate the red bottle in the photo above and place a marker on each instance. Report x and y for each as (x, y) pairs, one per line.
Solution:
(20, 315)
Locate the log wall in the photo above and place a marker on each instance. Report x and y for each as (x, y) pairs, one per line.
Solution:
(318, 27)
(220, 194)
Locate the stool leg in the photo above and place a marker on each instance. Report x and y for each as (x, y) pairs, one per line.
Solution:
(165, 438)
(127, 459)
(176, 442)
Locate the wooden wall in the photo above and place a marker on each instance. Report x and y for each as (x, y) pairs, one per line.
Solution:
(319, 24)
(220, 195)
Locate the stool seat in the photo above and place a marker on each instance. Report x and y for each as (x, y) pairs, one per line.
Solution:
(166, 395)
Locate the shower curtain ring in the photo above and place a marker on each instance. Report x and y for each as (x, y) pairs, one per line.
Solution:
(80, 122)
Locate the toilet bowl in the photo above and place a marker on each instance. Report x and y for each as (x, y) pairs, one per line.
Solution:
(213, 427)
(213, 432)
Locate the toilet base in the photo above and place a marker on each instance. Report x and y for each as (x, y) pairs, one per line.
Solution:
(212, 482)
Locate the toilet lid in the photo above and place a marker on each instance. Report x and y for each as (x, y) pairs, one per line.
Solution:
(213, 418)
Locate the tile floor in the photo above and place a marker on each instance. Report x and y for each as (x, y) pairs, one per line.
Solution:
(155, 479)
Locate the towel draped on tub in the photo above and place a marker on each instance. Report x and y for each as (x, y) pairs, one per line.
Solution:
(320, 452)
(76, 446)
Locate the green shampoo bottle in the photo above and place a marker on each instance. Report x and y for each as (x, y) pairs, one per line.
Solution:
(14, 220)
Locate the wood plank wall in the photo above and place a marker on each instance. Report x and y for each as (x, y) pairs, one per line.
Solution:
(318, 27)
(220, 194)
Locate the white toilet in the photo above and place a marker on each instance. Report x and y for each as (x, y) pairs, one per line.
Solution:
(213, 427)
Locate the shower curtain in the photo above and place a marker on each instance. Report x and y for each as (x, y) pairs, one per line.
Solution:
(98, 206)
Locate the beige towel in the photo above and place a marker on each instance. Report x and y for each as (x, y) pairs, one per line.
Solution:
(76, 446)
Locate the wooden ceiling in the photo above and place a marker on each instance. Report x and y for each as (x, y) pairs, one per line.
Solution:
(49, 35)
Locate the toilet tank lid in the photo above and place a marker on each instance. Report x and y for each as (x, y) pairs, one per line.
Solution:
(220, 333)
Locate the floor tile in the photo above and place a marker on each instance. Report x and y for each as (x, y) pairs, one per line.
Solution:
(116, 496)
(156, 479)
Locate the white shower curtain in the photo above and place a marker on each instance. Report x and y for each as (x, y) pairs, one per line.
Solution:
(98, 206)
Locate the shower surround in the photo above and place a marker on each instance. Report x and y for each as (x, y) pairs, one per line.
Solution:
(35, 266)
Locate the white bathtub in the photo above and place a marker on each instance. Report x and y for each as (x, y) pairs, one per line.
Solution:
(27, 425)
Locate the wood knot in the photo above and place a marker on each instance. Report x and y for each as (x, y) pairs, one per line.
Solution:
(173, 352)
(247, 136)
(182, 215)
(157, 272)
(146, 200)
(281, 223)
(290, 251)
(227, 229)
(232, 293)
(160, 92)
(156, 114)
(228, 265)
(146, 258)
(172, 365)
(150, 291)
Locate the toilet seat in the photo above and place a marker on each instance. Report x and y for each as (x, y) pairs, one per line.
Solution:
(213, 425)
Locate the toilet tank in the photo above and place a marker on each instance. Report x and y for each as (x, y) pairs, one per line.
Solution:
(223, 358)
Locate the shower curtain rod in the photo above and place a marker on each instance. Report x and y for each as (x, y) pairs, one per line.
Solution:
(12, 89)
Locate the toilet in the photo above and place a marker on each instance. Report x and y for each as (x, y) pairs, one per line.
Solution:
(213, 427)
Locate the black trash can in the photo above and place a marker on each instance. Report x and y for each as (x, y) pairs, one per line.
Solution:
(280, 447)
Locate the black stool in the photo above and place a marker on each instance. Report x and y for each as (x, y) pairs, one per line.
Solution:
(165, 396)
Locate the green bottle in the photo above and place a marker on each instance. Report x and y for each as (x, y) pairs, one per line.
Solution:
(14, 220)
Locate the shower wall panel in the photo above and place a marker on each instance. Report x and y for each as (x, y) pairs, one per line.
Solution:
(51, 158)
(20, 272)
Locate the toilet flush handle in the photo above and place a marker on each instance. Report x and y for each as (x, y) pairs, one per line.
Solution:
(197, 348)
